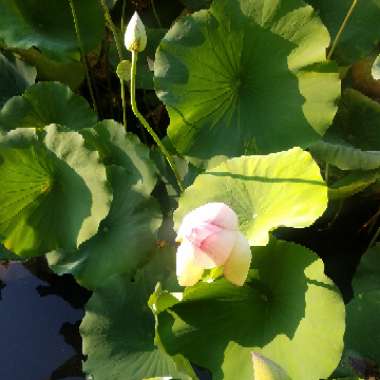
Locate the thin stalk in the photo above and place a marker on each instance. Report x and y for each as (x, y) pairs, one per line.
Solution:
(155, 13)
(327, 167)
(146, 125)
(122, 25)
(83, 55)
(119, 49)
(341, 29)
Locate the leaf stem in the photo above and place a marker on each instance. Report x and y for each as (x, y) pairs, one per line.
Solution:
(155, 13)
(145, 123)
(341, 29)
(119, 49)
(83, 55)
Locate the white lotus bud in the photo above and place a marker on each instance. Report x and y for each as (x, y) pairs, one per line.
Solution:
(135, 38)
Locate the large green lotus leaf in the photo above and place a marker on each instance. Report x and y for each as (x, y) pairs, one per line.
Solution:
(124, 241)
(344, 156)
(361, 34)
(49, 26)
(280, 189)
(288, 310)
(118, 329)
(357, 121)
(221, 87)
(116, 147)
(363, 334)
(46, 103)
(53, 194)
(15, 77)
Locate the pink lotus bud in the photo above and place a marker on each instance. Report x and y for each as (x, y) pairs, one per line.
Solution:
(210, 238)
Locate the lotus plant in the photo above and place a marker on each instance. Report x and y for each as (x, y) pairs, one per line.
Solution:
(209, 238)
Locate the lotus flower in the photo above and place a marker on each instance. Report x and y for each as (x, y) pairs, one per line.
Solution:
(135, 38)
(210, 238)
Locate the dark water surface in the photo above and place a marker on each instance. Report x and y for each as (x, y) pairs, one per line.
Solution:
(39, 324)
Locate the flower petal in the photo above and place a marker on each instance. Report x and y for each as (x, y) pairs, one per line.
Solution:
(216, 213)
(215, 249)
(237, 266)
(188, 272)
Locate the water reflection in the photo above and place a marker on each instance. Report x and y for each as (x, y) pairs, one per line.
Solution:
(39, 324)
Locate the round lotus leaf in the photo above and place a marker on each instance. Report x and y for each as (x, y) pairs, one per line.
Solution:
(15, 77)
(118, 329)
(245, 77)
(47, 103)
(124, 241)
(266, 192)
(116, 147)
(288, 311)
(54, 192)
(49, 25)
(361, 34)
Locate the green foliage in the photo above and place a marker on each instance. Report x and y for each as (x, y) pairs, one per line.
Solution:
(253, 186)
(286, 310)
(118, 328)
(46, 103)
(31, 23)
(124, 241)
(363, 335)
(55, 193)
(221, 88)
(361, 34)
(15, 77)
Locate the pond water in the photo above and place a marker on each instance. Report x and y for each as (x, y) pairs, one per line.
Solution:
(39, 324)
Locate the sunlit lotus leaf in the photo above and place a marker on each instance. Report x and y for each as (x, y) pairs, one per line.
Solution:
(118, 329)
(54, 191)
(280, 189)
(46, 103)
(288, 311)
(230, 94)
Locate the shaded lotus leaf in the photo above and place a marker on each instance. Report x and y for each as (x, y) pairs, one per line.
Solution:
(69, 73)
(124, 241)
(222, 89)
(361, 34)
(46, 103)
(116, 147)
(280, 189)
(118, 329)
(54, 192)
(344, 156)
(15, 77)
(357, 121)
(288, 311)
(362, 334)
(49, 26)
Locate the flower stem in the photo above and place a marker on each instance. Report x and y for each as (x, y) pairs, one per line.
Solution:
(83, 55)
(341, 29)
(119, 49)
(145, 123)
(156, 14)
